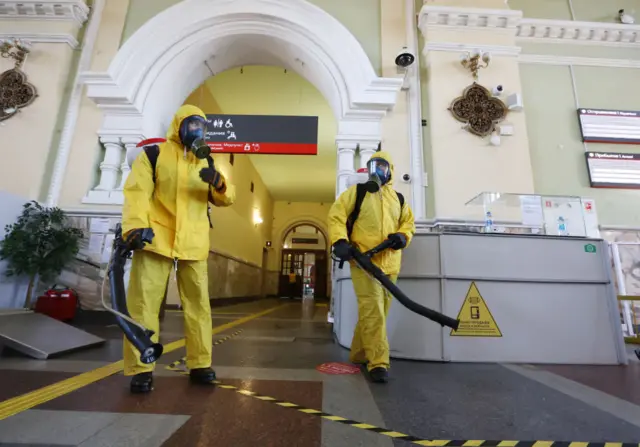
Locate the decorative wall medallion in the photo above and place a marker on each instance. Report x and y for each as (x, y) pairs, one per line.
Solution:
(15, 93)
(479, 110)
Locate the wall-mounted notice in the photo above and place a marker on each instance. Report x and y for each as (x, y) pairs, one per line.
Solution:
(531, 209)
(99, 225)
(609, 126)
(613, 170)
(590, 214)
(263, 134)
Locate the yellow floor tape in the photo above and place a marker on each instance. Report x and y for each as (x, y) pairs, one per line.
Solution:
(179, 367)
(24, 402)
(414, 439)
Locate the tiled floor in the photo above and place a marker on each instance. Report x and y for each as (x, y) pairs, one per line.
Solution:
(275, 355)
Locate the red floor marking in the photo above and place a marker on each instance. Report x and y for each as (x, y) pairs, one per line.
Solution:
(338, 368)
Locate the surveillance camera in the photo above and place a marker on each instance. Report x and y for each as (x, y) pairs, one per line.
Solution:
(406, 178)
(498, 90)
(625, 17)
(405, 58)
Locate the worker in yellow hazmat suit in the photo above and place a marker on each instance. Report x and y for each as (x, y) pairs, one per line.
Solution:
(175, 205)
(381, 217)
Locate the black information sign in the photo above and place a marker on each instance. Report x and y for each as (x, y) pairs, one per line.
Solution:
(300, 240)
(609, 126)
(263, 134)
(613, 170)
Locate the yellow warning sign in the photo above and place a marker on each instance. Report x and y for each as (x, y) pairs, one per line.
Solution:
(475, 318)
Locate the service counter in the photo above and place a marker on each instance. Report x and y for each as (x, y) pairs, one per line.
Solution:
(521, 299)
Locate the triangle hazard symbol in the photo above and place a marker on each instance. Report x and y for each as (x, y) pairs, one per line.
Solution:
(475, 317)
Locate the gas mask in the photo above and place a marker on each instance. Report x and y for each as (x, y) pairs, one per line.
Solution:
(192, 131)
(379, 174)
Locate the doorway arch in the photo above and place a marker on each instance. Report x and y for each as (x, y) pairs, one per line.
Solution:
(175, 51)
(304, 262)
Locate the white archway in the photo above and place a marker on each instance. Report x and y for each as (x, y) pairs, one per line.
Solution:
(302, 220)
(292, 231)
(174, 52)
(290, 226)
(280, 233)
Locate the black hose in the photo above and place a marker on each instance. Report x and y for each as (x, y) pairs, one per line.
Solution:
(364, 261)
(139, 338)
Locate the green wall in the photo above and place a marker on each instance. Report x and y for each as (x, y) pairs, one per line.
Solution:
(361, 17)
(584, 10)
(543, 9)
(557, 152)
(140, 11)
(572, 50)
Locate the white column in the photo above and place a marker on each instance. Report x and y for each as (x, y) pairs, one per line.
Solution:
(106, 192)
(75, 98)
(367, 150)
(110, 166)
(414, 106)
(130, 149)
(346, 164)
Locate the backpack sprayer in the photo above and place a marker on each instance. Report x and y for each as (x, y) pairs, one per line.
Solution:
(364, 261)
(138, 335)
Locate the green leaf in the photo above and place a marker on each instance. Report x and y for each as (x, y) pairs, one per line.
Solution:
(40, 242)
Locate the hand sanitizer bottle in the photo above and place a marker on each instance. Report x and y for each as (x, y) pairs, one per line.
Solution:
(488, 222)
(562, 227)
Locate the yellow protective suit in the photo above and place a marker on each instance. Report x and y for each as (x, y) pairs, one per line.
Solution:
(380, 216)
(175, 207)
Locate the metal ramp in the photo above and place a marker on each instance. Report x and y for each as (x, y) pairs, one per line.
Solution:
(39, 336)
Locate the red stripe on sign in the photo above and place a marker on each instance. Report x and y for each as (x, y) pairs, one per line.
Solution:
(263, 148)
(621, 186)
(611, 141)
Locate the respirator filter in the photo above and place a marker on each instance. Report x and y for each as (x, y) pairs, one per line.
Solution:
(200, 148)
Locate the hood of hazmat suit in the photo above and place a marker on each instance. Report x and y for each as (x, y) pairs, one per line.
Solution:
(380, 215)
(175, 205)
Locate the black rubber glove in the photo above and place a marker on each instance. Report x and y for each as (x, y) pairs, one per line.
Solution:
(342, 250)
(399, 241)
(211, 176)
(136, 239)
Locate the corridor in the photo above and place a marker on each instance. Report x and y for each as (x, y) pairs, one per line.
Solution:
(271, 394)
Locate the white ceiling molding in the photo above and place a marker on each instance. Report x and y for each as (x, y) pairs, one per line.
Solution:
(449, 16)
(495, 50)
(43, 38)
(586, 33)
(59, 10)
(544, 59)
(529, 30)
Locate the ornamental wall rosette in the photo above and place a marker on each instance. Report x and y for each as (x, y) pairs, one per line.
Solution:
(15, 93)
(479, 110)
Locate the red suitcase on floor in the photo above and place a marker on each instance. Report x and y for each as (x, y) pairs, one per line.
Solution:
(58, 303)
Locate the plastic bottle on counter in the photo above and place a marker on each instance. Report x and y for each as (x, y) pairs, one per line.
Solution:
(488, 222)
(562, 227)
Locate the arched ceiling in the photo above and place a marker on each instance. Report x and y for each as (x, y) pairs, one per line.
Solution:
(269, 90)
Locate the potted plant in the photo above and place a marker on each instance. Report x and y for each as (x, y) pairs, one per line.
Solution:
(39, 244)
